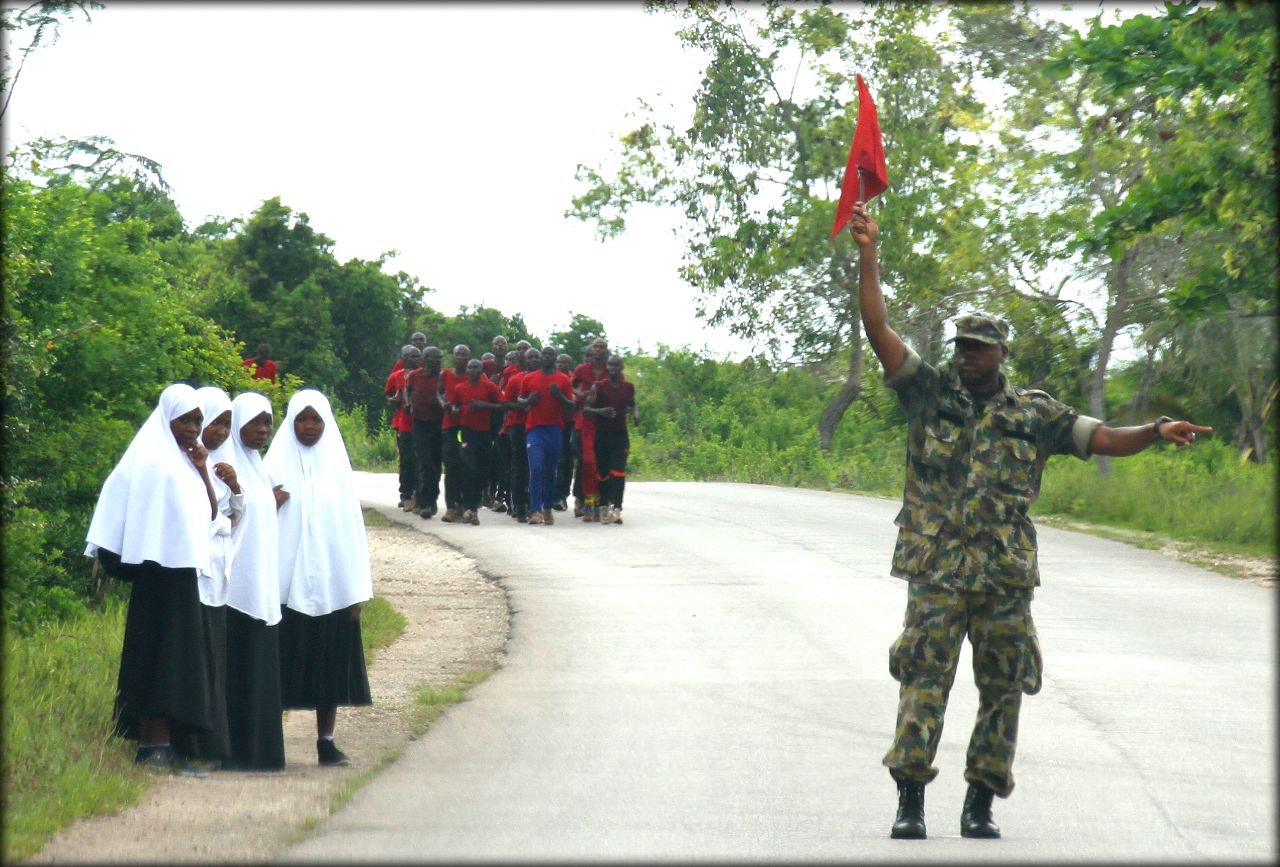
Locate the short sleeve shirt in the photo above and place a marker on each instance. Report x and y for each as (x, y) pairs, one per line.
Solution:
(583, 375)
(402, 420)
(448, 379)
(973, 471)
(620, 397)
(464, 392)
(548, 409)
(510, 391)
(426, 400)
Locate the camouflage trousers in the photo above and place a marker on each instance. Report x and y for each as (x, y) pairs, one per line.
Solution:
(1006, 664)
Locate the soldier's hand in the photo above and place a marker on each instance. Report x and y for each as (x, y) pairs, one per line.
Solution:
(864, 230)
(1182, 433)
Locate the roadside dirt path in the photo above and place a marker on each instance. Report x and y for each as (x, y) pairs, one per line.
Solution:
(457, 623)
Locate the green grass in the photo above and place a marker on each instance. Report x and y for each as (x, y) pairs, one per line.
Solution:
(1203, 495)
(60, 759)
(430, 702)
(374, 518)
(380, 625)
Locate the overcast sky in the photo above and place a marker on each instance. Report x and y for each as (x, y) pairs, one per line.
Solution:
(447, 132)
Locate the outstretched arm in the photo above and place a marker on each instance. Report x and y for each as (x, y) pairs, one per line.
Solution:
(1119, 442)
(886, 343)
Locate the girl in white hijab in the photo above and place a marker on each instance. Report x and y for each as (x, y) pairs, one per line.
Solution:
(324, 569)
(253, 642)
(151, 527)
(212, 580)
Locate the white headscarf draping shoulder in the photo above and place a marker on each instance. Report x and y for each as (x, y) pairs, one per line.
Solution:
(255, 573)
(324, 556)
(213, 579)
(154, 505)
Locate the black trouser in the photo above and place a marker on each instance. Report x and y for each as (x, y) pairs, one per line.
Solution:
(499, 462)
(575, 449)
(564, 470)
(426, 456)
(476, 448)
(408, 477)
(519, 467)
(612, 448)
(451, 456)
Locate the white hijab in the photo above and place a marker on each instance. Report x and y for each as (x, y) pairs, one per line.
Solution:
(222, 542)
(154, 505)
(255, 581)
(324, 557)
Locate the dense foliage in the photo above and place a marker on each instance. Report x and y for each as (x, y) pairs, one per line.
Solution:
(1131, 155)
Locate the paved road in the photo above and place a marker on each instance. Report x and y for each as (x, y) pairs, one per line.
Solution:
(710, 681)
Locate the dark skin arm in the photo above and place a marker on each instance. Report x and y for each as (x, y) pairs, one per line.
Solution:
(886, 343)
(892, 351)
(1119, 442)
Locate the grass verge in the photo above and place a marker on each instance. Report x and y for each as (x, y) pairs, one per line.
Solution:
(61, 761)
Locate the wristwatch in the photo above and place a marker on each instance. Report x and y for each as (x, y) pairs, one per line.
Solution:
(1155, 425)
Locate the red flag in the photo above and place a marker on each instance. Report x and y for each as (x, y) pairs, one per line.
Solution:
(865, 175)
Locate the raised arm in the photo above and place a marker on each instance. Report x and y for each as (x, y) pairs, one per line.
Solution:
(886, 343)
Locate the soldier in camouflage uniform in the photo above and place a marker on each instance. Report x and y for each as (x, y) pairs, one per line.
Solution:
(976, 450)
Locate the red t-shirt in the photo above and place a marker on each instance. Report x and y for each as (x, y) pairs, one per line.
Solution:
(619, 397)
(510, 391)
(426, 401)
(402, 420)
(507, 372)
(448, 378)
(548, 409)
(583, 375)
(267, 370)
(464, 392)
(492, 368)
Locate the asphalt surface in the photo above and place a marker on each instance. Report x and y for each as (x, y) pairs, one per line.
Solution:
(710, 681)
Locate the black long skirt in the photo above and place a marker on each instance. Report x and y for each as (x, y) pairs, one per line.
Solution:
(322, 661)
(166, 661)
(253, 693)
(214, 745)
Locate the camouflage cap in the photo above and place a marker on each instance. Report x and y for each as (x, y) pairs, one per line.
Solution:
(983, 327)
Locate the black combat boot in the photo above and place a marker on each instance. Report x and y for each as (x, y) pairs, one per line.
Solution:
(975, 821)
(909, 825)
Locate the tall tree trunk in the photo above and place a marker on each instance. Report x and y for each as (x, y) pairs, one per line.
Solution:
(848, 393)
(1096, 386)
(1138, 409)
(845, 270)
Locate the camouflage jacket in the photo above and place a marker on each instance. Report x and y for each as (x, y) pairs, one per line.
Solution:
(973, 471)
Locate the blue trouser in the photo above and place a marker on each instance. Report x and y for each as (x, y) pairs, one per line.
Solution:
(542, 444)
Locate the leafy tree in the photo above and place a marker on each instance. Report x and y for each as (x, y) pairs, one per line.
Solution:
(580, 334)
(757, 171)
(93, 330)
(1191, 93)
(42, 20)
(475, 327)
(273, 278)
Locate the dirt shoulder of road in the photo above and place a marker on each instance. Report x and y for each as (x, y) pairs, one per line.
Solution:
(1263, 571)
(457, 624)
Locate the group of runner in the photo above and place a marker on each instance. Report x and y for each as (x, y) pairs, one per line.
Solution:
(516, 430)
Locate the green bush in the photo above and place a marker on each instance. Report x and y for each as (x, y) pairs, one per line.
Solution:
(372, 451)
(1204, 493)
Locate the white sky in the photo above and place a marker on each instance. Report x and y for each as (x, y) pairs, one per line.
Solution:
(447, 132)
